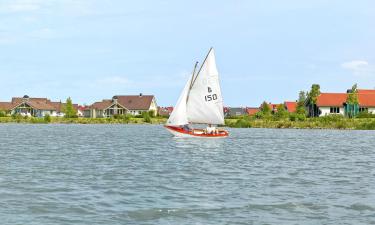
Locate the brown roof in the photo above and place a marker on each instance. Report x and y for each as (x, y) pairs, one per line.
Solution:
(130, 102)
(36, 103)
(102, 105)
(6, 106)
(135, 102)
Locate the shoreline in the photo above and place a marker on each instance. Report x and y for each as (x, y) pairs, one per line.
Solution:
(308, 123)
(60, 120)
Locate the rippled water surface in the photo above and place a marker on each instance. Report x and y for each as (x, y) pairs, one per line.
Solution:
(133, 174)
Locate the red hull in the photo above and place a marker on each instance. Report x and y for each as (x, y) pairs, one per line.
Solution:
(197, 132)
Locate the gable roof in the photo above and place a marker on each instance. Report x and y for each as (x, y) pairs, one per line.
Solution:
(36, 103)
(102, 105)
(130, 102)
(135, 102)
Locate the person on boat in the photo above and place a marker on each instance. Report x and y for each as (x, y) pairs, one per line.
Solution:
(186, 127)
(210, 129)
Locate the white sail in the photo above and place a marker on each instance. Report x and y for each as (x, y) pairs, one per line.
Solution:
(178, 115)
(205, 103)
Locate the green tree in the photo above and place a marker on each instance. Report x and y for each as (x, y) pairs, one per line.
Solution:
(352, 102)
(353, 96)
(69, 110)
(301, 109)
(265, 108)
(281, 113)
(313, 96)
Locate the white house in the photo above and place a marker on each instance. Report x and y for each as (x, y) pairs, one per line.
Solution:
(121, 105)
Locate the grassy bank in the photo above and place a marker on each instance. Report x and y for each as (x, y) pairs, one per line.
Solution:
(57, 120)
(328, 122)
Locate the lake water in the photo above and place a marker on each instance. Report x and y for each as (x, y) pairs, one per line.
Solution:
(134, 174)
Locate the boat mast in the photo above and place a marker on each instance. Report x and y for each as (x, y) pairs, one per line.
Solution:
(191, 82)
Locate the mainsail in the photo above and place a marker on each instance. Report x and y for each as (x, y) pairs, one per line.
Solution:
(201, 100)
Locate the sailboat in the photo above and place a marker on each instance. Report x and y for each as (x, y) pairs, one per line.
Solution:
(200, 102)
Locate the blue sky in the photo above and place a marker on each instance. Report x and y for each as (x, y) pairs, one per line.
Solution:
(265, 50)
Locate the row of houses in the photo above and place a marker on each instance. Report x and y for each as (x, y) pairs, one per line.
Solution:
(118, 105)
(326, 104)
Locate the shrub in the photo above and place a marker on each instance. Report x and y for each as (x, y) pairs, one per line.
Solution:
(366, 126)
(365, 114)
(151, 113)
(242, 123)
(47, 118)
(2, 113)
(146, 117)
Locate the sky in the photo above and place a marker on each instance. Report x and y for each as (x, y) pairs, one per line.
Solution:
(90, 50)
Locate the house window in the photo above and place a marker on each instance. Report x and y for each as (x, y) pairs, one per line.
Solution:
(363, 109)
(334, 110)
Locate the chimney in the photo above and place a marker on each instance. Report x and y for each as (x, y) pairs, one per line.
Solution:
(140, 94)
(25, 98)
(114, 99)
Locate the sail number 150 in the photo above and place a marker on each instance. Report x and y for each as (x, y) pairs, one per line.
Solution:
(210, 97)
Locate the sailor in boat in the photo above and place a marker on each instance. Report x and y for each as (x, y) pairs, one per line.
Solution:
(186, 127)
(211, 130)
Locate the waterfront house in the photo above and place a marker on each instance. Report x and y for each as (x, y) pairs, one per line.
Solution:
(334, 103)
(37, 107)
(123, 104)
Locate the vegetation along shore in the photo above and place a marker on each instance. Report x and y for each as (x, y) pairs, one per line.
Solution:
(361, 122)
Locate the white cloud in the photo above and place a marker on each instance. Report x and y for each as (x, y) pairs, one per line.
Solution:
(21, 5)
(359, 67)
(355, 65)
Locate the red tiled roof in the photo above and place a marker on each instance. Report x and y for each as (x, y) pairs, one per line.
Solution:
(331, 99)
(251, 111)
(366, 91)
(366, 100)
(291, 106)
